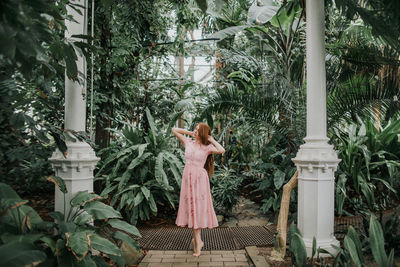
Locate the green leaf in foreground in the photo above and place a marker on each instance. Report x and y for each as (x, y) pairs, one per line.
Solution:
(377, 242)
(124, 226)
(100, 211)
(126, 238)
(20, 254)
(104, 245)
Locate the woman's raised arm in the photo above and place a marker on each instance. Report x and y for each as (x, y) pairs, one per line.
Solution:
(218, 149)
(179, 132)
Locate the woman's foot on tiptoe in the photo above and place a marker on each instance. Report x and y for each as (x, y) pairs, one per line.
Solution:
(193, 245)
(198, 249)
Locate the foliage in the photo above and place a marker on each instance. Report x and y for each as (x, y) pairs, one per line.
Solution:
(379, 15)
(28, 240)
(390, 227)
(270, 173)
(138, 171)
(352, 251)
(225, 186)
(34, 58)
(369, 165)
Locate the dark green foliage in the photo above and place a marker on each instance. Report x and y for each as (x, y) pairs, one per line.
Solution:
(369, 167)
(352, 252)
(380, 15)
(270, 173)
(34, 57)
(141, 171)
(26, 239)
(225, 189)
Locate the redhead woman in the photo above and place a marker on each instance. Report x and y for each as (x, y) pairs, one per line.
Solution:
(196, 209)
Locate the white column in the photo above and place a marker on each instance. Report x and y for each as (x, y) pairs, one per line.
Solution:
(316, 160)
(76, 168)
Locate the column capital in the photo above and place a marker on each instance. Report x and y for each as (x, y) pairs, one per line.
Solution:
(316, 160)
(80, 158)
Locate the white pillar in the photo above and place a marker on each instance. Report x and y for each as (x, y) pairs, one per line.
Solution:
(316, 160)
(76, 169)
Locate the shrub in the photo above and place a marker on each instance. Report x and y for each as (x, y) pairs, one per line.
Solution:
(366, 177)
(225, 189)
(25, 239)
(138, 172)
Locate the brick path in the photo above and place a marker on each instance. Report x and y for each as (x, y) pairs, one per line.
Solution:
(181, 258)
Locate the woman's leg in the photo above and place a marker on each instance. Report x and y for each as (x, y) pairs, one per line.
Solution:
(198, 243)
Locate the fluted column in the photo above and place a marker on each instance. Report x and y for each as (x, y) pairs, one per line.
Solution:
(316, 160)
(76, 168)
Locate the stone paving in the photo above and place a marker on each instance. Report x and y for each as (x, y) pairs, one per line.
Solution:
(181, 258)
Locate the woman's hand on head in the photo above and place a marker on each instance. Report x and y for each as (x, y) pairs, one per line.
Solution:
(210, 138)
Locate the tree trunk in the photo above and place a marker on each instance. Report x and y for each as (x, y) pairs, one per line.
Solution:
(279, 251)
(103, 118)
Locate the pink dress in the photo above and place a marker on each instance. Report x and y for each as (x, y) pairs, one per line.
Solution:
(195, 204)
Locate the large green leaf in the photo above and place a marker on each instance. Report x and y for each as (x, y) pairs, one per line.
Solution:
(124, 179)
(138, 160)
(351, 233)
(86, 262)
(104, 245)
(20, 254)
(145, 191)
(129, 188)
(152, 204)
(82, 197)
(150, 119)
(298, 249)
(376, 241)
(126, 238)
(70, 61)
(59, 182)
(83, 218)
(64, 257)
(11, 203)
(262, 14)
(227, 32)
(100, 211)
(7, 192)
(100, 261)
(124, 226)
(108, 189)
(78, 242)
(25, 238)
(174, 160)
(159, 172)
(21, 212)
(138, 199)
(352, 249)
(279, 178)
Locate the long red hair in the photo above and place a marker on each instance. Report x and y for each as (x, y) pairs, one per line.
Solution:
(202, 134)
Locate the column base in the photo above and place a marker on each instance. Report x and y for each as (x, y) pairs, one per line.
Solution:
(316, 162)
(323, 244)
(76, 170)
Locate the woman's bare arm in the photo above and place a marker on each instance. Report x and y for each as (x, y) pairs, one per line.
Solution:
(218, 149)
(179, 132)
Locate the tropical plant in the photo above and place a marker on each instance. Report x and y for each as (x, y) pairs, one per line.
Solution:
(68, 241)
(390, 229)
(35, 56)
(141, 171)
(225, 186)
(270, 173)
(352, 251)
(369, 161)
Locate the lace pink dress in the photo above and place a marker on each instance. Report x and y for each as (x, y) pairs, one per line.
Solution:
(195, 204)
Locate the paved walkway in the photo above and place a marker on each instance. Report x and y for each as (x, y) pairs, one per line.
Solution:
(182, 258)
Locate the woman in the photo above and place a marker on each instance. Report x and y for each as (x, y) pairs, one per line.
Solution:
(195, 204)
